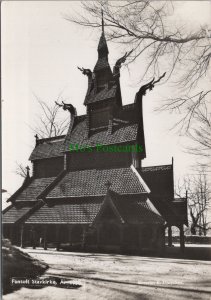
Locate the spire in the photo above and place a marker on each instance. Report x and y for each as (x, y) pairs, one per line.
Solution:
(102, 46)
(102, 21)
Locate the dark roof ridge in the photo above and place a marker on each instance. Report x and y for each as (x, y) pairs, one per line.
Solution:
(37, 205)
(7, 208)
(155, 167)
(51, 185)
(51, 139)
(24, 201)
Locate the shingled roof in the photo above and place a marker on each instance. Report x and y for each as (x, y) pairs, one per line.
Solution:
(121, 134)
(92, 183)
(68, 211)
(34, 189)
(16, 211)
(48, 148)
(180, 208)
(86, 210)
(131, 211)
(105, 94)
(160, 180)
(125, 130)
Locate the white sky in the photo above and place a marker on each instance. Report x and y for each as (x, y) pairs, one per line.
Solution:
(40, 55)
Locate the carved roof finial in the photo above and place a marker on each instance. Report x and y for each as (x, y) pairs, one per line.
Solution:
(68, 106)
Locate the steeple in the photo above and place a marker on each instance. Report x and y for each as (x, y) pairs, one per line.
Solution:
(102, 86)
(102, 49)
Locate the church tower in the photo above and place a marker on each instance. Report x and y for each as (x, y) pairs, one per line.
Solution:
(103, 97)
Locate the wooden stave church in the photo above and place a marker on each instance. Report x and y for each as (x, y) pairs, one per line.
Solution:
(97, 200)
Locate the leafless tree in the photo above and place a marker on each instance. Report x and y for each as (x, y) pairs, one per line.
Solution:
(199, 196)
(50, 121)
(146, 27)
(150, 30)
(21, 170)
(196, 124)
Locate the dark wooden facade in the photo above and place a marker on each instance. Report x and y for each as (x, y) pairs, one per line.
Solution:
(84, 195)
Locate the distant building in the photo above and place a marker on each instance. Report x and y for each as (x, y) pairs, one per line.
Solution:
(88, 189)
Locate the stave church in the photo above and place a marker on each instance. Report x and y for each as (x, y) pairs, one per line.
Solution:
(87, 191)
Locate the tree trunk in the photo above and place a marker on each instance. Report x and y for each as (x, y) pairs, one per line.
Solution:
(193, 229)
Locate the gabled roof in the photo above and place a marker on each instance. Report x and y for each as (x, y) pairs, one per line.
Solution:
(109, 203)
(92, 183)
(132, 212)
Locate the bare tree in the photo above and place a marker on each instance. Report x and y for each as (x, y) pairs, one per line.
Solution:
(21, 170)
(199, 196)
(50, 122)
(147, 27)
(196, 125)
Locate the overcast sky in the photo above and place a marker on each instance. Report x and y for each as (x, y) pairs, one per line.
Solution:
(40, 55)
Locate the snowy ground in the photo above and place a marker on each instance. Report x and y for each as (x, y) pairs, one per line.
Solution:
(120, 277)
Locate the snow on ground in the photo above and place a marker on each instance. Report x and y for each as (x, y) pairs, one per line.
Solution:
(120, 277)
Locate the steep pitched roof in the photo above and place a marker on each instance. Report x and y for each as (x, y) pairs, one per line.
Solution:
(16, 211)
(102, 49)
(131, 211)
(48, 148)
(92, 183)
(121, 134)
(88, 211)
(137, 212)
(125, 130)
(102, 63)
(109, 92)
(180, 208)
(68, 211)
(160, 180)
(34, 189)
